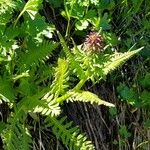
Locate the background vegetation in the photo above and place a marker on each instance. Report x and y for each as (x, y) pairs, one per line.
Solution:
(52, 74)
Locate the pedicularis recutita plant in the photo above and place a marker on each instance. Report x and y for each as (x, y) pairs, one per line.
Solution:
(30, 86)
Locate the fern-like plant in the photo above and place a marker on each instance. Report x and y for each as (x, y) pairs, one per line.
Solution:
(32, 85)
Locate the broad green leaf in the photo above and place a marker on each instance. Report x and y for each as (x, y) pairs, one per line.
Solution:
(82, 24)
(128, 94)
(32, 7)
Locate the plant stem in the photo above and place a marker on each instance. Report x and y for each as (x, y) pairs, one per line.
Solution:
(18, 18)
(79, 85)
(68, 30)
(76, 88)
(68, 12)
(62, 98)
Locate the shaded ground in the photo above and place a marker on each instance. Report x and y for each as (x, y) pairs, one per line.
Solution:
(106, 129)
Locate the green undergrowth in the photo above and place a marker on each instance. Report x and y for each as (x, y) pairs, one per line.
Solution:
(42, 66)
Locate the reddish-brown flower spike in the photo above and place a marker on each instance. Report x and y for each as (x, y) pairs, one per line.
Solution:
(94, 42)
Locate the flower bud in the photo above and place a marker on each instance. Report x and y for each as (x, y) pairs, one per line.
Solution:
(93, 43)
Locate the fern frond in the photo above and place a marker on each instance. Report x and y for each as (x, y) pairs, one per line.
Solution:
(118, 59)
(6, 9)
(5, 4)
(7, 40)
(16, 130)
(6, 91)
(74, 65)
(69, 135)
(16, 136)
(2, 127)
(34, 54)
(61, 78)
(45, 106)
(50, 107)
(44, 72)
(86, 96)
(99, 66)
(17, 133)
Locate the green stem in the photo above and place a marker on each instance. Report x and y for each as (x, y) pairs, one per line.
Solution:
(62, 98)
(68, 16)
(76, 88)
(79, 85)
(18, 18)
(68, 30)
